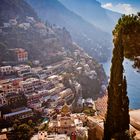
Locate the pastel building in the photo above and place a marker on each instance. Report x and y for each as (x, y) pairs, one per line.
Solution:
(20, 54)
(6, 70)
(31, 84)
(43, 135)
(10, 85)
(64, 123)
(22, 69)
(68, 124)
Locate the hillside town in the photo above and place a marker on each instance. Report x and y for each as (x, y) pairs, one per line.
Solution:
(52, 92)
(53, 84)
(57, 95)
(28, 90)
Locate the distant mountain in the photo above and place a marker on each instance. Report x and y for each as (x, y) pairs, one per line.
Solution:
(95, 41)
(11, 9)
(92, 11)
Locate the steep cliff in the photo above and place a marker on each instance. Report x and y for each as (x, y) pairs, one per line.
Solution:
(49, 44)
(96, 42)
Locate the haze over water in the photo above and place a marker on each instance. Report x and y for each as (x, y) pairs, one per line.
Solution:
(133, 82)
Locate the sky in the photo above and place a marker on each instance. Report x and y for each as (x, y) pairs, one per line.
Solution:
(122, 6)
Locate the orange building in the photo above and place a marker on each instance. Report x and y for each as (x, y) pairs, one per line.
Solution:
(20, 54)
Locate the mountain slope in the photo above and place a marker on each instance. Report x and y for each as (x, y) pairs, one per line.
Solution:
(48, 44)
(95, 41)
(11, 9)
(92, 11)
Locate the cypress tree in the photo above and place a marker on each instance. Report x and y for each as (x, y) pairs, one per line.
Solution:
(116, 123)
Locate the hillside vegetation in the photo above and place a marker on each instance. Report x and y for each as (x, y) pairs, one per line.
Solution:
(96, 42)
(129, 26)
(47, 43)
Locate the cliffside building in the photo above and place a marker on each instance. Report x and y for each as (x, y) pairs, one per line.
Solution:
(19, 54)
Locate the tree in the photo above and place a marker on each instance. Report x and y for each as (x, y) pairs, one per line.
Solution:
(127, 44)
(17, 122)
(30, 123)
(15, 127)
(66, 78)
(116, 124)
(3, 49)
(130, 26)
(24, 132)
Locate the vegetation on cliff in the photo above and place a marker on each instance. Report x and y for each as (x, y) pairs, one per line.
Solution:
(127, 44)
(129, 25)
(47, 43)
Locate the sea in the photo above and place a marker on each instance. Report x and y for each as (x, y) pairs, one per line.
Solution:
(133, 82)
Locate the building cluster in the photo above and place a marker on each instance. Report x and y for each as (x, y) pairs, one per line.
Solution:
(66, 126)
(83, 64)
(26, 89)
(39, 88)
(43, 135)
(43, 88)
(29, 23)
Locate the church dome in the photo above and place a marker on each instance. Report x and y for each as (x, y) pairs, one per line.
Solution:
(65, 109)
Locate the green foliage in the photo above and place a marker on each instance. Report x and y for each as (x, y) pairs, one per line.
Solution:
(126, 23)
(117, 119)
(24, 128)
(17, 122)
(129, 26)
(30, 123)
(89, 111)
(15, 126)
(66, 78)
(44, 127)
(30, 63)
(23, 131)
(3, 50)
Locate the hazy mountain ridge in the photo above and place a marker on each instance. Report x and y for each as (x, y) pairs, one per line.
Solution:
(92, 11)
(94, 41)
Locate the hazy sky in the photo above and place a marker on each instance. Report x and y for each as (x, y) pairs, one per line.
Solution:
(122, 6)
